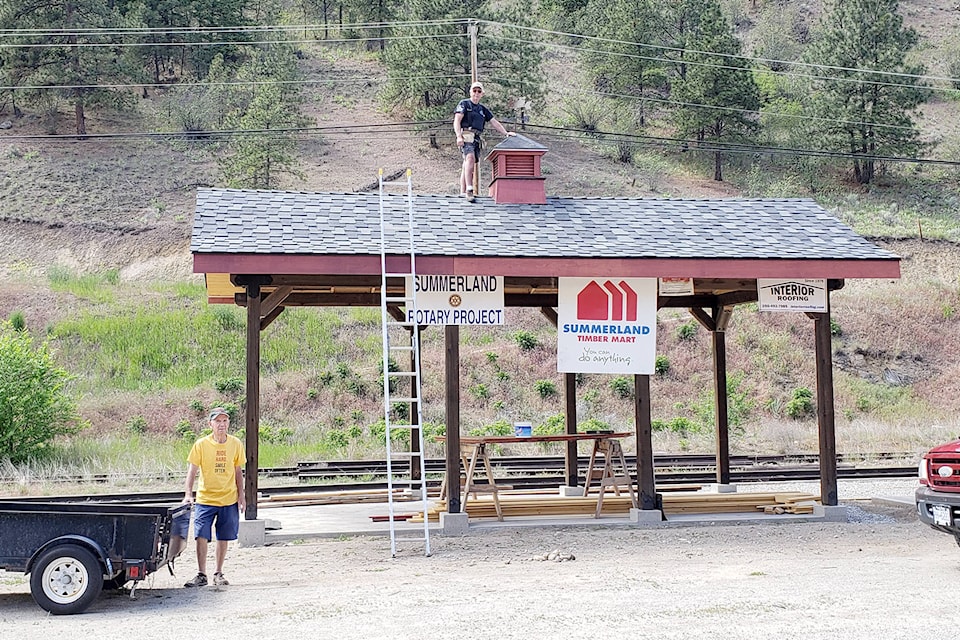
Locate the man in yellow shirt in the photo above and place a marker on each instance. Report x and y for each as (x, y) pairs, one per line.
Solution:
(219, 459)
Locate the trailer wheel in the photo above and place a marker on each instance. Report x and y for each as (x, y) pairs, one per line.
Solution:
(66, 579)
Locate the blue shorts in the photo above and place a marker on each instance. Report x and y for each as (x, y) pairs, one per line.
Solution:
(472, 147)
(227, 521)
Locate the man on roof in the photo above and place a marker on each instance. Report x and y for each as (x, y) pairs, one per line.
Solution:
(469, 119)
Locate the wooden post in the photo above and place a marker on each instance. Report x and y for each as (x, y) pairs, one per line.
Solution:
(645, 477)
(451, 337)
(570, 397)
(826, 421)
(252, 422)
(722, 423)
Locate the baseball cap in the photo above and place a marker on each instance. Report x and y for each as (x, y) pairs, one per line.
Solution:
(218, 411)
(476, 85)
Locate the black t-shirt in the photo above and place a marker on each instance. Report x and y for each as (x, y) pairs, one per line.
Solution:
(474, 115)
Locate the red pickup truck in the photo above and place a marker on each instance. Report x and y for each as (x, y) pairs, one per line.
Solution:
(938, 497)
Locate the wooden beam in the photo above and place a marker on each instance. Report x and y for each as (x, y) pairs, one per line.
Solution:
(570, 399)
(252, 416)
(270, 317)
(274, 300)
(550, 314)
(451, 338)
(721, 418)
(645, 476)
(825, 411)
(703, 318)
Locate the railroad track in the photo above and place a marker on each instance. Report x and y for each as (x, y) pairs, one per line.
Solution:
(533, 472)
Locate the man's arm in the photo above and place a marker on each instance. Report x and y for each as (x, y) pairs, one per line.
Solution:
(457, 128)
(241, 499)
(188, 484)
(499, 127)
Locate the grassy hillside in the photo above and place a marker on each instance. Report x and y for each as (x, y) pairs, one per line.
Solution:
(95, 255)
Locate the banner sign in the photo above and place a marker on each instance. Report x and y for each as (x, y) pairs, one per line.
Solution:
(607, 325)
(460, 300)
(792, 295)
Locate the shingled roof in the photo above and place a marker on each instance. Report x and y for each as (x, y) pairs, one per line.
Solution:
(625, 230)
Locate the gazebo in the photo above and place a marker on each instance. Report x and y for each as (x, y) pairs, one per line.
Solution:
(269, 250)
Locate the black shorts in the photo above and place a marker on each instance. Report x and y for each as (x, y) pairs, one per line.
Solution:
(473, 147)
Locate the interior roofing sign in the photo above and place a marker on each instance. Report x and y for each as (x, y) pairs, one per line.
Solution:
(792, 295)
(461, 300)
(607, 325)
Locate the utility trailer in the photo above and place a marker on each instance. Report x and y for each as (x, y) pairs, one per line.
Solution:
(73, 549)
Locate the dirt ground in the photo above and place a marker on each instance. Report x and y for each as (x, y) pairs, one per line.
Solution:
(881, 577)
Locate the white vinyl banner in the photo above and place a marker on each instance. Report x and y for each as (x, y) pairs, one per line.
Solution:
(607, 325)
(792, 295)
(461, 300)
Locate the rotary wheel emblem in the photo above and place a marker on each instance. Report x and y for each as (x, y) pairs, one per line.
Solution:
(455, 300)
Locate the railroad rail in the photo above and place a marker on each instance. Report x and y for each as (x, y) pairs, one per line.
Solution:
(533, 472)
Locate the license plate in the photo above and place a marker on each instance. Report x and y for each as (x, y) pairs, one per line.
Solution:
(941, 515)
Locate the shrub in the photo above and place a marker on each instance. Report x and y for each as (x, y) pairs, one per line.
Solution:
(545, 388)
(337, 438)
(480, 391)
(229, 385)
(553, 425)
(34, 405)
(835, 329)
(137, 424)
(622, 387)
(401, 411)
(274, 435)
(184, 430)
(687, 331)
(498, 428)
(593, 424)
(801, 405)
(227, 318)
(18, 321)
(492, 357)
(503, 376)
(198, 407)
(526, 340)
(661, 365)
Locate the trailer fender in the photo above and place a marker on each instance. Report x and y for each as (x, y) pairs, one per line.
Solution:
(74, 539)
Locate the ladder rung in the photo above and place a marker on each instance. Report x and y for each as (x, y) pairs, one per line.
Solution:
(401, 347)
(392, 182)
(398, 323)
(397, 275)
(401, 373)
(399, 298)
(404, 399)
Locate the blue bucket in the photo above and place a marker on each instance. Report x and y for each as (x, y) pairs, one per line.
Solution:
(523, 429)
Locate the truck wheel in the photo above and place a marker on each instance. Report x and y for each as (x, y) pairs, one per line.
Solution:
(66, 579)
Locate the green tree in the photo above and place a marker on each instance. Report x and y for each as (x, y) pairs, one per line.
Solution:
(35, 407)
(67, 55)
(429, 64)
(267, 105)
(621, 61)
(861, 108)
(720, 98)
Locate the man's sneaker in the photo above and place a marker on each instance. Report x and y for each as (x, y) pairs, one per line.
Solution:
(199, 581)
(219, 580)
(470, 193)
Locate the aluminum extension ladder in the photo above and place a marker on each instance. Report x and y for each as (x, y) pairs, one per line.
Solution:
(401, 385)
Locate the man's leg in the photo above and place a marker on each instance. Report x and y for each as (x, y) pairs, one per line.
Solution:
(221, 554)
(202, 555)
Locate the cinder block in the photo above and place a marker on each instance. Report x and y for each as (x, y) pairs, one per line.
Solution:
(831, 513)
(646, 517)
(453, 524)
(253, 533)
(571, 492)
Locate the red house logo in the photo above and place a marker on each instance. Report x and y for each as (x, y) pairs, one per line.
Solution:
(617, 302)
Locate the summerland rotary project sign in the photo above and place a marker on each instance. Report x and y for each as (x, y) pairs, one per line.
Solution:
(607, 325)
(457, 300)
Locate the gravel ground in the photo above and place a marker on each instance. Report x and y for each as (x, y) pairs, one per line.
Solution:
(880, 575)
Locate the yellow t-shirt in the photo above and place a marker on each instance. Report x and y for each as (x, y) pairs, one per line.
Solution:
(217, 463)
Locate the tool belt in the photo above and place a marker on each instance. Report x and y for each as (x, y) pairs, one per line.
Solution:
(468, 136)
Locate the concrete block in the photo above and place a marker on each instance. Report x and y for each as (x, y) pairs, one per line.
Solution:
(646, 516)
(253, 533)
(453, 524)
(831, 513)
(571, 492)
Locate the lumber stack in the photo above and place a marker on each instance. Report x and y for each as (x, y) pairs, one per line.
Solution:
(330, 497)
(519, 505)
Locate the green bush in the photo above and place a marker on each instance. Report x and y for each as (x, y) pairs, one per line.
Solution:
(34, 405)
(687, 331)
(229, 385)
(480, 391)
(137, 424)
(801, 405)
(545, 388)
(18, 321)
(337, 438)
(526, 340)
(553, 425)
(593, 424)
(184, 430)
(661, 365)
(622, 387)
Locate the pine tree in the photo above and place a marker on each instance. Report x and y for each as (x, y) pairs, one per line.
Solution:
(860, 111)
(719, 95)
(429, 66)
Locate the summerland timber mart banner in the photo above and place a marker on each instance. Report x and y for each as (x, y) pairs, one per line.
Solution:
(777, 294)
(461, 300)
(607, 325)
